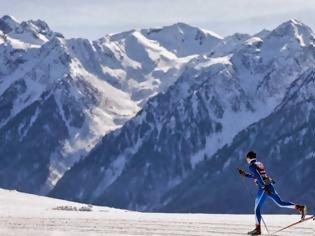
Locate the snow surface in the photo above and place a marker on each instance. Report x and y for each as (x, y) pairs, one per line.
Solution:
(31, 215)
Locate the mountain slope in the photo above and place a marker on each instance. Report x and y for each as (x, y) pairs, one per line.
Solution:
(212, 101)
(27, 33)
(284, 143)
(184, 40)
(51, 111)
(59, 96)
(151, 134)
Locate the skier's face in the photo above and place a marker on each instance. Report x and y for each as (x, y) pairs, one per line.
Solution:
(248, 160)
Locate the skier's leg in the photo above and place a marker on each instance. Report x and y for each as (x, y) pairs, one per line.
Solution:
(274, 196)
(260, 198)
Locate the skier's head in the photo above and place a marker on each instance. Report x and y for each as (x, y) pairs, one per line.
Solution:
(251, 155)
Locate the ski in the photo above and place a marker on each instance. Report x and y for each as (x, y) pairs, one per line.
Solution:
(295, 223)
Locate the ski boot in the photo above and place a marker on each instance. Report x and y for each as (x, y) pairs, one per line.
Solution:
(256, 231)
(302, 210)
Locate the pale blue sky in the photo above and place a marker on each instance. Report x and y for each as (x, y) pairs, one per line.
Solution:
(94, 18)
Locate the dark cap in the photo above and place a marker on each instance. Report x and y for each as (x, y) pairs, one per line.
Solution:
(251, 155)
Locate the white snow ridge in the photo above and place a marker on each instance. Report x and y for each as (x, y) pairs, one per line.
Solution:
(31, 215)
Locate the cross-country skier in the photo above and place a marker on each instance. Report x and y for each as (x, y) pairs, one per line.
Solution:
(265, 189)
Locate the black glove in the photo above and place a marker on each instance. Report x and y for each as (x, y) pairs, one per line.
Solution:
(242, 172)
(267, 189)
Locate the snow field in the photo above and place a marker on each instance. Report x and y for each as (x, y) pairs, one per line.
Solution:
(31, 215)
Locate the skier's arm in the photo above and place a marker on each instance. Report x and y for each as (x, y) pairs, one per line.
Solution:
(257, 176)
(248, 175)
(245, 174)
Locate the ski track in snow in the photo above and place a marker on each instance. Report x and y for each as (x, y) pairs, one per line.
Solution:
(31, 215)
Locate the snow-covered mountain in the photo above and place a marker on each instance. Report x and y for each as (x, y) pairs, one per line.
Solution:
(240, 81)
(284, 142)
(184, 40)
(59, 96)
(189, 90)
(53, 112)
(27, 33)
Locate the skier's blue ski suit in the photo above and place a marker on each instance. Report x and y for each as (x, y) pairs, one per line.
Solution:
(265, 189)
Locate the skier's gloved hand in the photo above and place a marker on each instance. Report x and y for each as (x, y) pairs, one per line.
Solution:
(242, 172)
(267, 189)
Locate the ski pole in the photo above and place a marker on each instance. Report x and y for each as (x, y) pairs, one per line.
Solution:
(243, 181)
